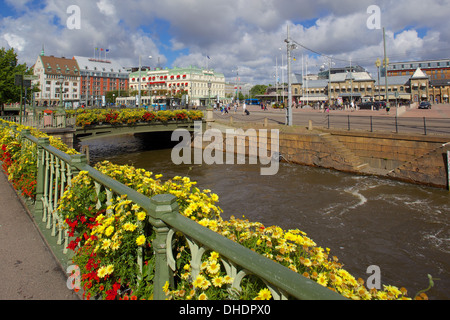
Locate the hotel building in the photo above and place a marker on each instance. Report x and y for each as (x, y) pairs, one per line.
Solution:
(56, 77)
(197, 85)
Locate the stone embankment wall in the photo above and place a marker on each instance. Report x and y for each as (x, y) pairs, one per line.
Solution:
(416, 159)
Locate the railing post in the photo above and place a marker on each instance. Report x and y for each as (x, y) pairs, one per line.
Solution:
(40, 178)
(160, 205)
(425, 125)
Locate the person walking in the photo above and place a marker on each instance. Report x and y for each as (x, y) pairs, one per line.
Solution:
(244, 109)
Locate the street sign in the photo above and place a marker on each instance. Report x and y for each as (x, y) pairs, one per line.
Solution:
(26, 83)
(30, 77)
(18, 79)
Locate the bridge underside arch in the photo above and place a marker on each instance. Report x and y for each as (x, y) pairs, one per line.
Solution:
(96, 132)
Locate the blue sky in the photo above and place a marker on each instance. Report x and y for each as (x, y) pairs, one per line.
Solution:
(244, 34)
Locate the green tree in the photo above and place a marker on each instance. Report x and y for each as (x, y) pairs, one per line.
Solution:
(9, 67)
(258, 90)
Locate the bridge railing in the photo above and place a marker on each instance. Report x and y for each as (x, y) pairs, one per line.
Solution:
(55, 170)
(40, 121)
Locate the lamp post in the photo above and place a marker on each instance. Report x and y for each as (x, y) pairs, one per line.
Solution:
(209, 94)
(386, 64)
(61, 104)
(290, 47)
(140, 79)
(378, 65)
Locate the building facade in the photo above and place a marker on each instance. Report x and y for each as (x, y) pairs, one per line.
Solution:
(99, 77)
(360, 86)
(434, 69)
(196, 85)
(57, 78)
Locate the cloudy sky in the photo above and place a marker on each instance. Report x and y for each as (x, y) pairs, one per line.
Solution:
(244, 35)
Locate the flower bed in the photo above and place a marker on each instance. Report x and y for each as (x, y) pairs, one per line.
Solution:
(109, 238)
(132, 116)
(19, 160)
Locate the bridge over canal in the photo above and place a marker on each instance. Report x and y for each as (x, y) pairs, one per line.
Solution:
(65, 127)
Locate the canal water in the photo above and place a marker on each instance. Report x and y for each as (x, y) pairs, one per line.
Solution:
(402, 228)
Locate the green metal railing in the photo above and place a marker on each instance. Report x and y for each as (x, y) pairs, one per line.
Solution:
(55, 172)
(41, 121)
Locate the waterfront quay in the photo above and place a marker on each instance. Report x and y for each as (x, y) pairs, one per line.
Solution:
(406, 120)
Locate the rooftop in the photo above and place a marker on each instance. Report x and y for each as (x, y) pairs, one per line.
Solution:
(90, 64)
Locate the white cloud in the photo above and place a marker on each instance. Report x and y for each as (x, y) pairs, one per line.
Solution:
(106, 7)
(235, 33)
(14, 41)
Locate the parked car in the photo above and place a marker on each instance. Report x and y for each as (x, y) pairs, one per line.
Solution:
(425, 105)
(380, 105)
(366, 106)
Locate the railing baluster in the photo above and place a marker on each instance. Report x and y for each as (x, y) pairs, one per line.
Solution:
(56, 194)
(41, 176)
(45, 198)
(160, 205)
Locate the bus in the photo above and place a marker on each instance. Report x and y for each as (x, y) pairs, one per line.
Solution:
(254, 102)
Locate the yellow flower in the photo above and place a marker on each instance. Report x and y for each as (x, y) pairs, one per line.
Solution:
(227, 279)
(101, 273)
(213, 267)
(140, 240)
(203, 297)
(205, 284)
(264, 294)
(129, 226)
(110, 269)
(199, 281)
(218, 282)
(141, 215)
(105, 244)
(322, 280)
(115, 245)
(187, 267)
(166, 287)
(109, 231)
(214, 256)
(393, 290)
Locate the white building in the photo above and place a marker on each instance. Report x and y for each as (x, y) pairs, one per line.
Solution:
(53, 75)
(197, 85)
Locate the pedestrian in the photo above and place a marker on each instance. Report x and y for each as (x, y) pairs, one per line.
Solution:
(388, 108)
(244, 108)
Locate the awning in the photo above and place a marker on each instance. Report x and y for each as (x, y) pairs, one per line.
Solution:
(320, 98)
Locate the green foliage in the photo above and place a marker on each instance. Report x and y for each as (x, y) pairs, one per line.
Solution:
(257, 90)
(9, 67)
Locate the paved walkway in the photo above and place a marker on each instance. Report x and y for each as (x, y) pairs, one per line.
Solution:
(28, 270)
(438, 111)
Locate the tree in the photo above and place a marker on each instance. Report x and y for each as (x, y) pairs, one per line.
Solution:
(258, 90)
(9, 67)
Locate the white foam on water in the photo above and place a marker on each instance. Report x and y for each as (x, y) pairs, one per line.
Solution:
(362, 199)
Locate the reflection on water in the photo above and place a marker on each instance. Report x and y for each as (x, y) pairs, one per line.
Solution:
(402, 228)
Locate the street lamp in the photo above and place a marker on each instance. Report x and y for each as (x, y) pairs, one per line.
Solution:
(140, 79)
(61, 104)
(290, 46)
(209, 94)
(378, 65)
